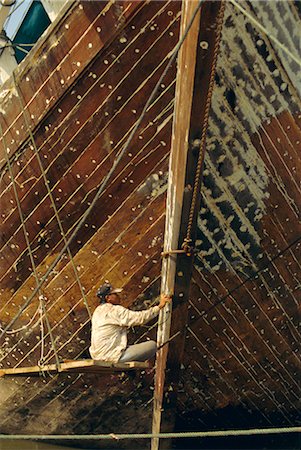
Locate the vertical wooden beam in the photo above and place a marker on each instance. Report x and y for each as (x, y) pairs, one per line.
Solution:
(176, 183)
(195, 77)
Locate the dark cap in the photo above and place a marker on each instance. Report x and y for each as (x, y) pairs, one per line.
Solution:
(107, 289)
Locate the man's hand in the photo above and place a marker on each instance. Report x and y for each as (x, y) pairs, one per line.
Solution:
(164, 299)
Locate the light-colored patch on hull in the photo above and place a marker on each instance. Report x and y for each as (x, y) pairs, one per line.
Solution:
(250, 93)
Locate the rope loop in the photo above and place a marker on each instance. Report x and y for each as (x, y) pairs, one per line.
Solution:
(105, 180)
(188, 247)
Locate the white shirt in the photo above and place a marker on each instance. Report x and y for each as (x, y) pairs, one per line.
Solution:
(109, 329)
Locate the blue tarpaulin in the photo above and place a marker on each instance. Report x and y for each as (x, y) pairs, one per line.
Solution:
(34, 24)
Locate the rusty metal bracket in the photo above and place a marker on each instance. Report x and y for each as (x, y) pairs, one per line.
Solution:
(172, 252)
(187, 251)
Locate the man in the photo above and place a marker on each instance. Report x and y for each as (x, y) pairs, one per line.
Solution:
(110, 321)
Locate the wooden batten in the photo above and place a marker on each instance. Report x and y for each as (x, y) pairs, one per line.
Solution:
(81, 366)
(176, 182)
(196, 69)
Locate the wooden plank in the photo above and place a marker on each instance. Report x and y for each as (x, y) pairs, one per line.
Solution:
(109, 364)
(178, 157)
(81, 366)
(59, 65)
(33, 370)
(190, 124)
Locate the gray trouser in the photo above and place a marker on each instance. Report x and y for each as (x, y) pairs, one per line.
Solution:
(139, 352)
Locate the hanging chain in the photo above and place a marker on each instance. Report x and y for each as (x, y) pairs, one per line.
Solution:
(186, 246)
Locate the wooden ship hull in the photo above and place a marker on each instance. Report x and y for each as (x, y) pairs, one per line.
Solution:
(65, 117)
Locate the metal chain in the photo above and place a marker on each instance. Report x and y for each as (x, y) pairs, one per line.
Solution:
(187, 240)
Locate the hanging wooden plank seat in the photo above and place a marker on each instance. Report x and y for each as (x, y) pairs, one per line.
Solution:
(80, 366)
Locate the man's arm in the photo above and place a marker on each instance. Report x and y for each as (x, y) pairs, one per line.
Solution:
(128, 318)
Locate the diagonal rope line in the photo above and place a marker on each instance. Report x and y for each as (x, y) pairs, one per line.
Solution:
(108, 176)
(38, 288)
(264, 30)
(24, 327)
(51, 197)
(21, 49)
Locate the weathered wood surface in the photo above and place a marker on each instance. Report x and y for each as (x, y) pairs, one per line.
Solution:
(68, 165)
(49, 71)
(241, 358)
(134, 172)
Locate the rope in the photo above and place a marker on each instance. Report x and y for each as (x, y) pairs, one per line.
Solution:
(196, 187)
(41, 360)
(264, 30)
(108, 176)
(18, 205)
(189, 434)
(51, 196)
(38, 288)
